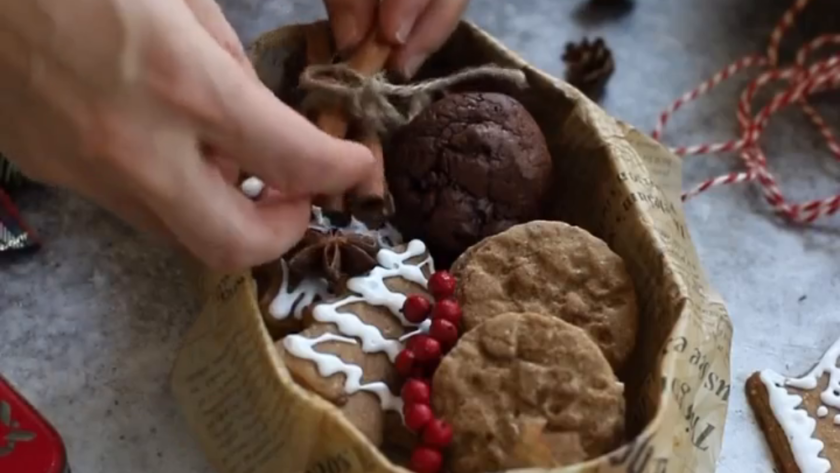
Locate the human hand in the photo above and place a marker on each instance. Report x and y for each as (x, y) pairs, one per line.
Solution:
(416, 28)
(149, 108)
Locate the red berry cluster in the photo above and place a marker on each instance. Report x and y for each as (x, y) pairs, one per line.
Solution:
(417, 363)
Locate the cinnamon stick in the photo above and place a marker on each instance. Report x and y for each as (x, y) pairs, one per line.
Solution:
(319, 51)
(370, 200)
(368, 60)
(319, 48)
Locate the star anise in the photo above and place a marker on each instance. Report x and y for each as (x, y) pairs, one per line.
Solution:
(333, 254)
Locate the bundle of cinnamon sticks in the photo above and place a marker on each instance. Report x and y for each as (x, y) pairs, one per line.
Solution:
(370, 202)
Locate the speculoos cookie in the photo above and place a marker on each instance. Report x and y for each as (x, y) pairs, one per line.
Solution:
(555, 269)
(527, 390)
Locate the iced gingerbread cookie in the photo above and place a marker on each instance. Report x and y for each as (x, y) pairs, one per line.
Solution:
(800, 417)
(283, 300)
(555, 269)
(527, 390)
(315, 269)
(347, 352)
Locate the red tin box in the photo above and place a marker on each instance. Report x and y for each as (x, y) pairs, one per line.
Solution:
(28, 443)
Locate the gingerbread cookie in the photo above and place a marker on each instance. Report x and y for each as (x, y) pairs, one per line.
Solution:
(283, 300)
(346, 353)
(555, 269)
(288, 287)
(800, 417)
(527, 390)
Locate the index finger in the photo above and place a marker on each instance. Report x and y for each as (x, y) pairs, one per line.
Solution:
(351, 20)
(215, 220)
(247, 123)
(428, 34)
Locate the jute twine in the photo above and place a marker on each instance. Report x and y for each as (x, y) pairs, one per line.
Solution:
(380, 105)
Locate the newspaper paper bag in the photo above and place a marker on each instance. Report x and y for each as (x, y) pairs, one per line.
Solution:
(250, 417)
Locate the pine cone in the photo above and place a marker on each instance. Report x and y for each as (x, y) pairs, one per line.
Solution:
(588, 65)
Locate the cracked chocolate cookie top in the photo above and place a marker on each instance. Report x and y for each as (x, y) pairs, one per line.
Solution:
(469, 166)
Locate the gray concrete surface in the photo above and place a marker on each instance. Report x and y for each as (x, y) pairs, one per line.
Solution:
(88, 326)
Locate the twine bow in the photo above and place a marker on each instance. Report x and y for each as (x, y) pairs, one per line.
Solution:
(380, 105)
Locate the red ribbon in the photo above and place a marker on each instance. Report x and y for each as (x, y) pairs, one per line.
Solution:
(800, 80)
(15, 235)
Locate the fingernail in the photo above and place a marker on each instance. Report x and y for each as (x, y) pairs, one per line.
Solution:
(403, 31)
(411, 65)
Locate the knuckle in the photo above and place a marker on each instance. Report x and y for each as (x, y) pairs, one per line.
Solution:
(177, 80)
(235, 49)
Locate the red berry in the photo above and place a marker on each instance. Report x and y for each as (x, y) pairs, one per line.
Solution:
(426, 460)
(415, 341)
(417, 416)
(448, 309)
(427, 349)
(416, 391)
(416, 308)
(438, 433)
(430, 367)
(405, 363)
(442, 284)
(444, 331)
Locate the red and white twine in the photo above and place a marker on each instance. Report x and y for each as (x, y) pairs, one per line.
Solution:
(801, 81)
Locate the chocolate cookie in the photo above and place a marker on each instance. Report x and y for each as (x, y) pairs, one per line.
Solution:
(527, 390)
(469, 166)
(555, 269)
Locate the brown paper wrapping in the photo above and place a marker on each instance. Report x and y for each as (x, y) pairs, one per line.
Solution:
(250, 417)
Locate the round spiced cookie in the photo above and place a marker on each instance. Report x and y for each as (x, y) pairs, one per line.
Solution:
(469, 166)
(555, 269)
(527, 390)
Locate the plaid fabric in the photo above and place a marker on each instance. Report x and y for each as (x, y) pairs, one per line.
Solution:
(10, 176)
(14, 234)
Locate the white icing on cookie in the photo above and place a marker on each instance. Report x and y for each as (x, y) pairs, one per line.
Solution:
(329, 365)
(287, 302)
(798, 426)
(252, 187)
(369, 289)
(372, 290)
(387, 236)
(349, 324)
(827, 365)
(392, 264)
(422, 328)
